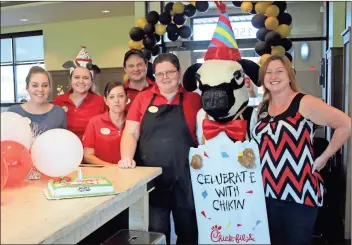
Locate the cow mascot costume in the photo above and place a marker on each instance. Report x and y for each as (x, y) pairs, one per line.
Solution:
(225, 167)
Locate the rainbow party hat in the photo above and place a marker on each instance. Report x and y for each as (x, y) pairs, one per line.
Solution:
(223, 45)
(83, 55)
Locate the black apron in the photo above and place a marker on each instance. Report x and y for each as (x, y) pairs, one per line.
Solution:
(165, 141)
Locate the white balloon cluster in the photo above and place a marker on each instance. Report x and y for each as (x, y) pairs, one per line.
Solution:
(55, 153)
(16, 128)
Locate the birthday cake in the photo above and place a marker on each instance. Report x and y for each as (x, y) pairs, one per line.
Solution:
(85, 187)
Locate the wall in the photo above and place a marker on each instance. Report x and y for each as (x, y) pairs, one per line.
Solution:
(337, 16)
(106, 40)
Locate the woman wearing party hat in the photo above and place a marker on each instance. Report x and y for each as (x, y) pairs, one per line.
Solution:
(80, 103)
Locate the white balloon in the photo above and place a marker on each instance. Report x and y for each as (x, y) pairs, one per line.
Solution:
(16, 128)
(57, 152)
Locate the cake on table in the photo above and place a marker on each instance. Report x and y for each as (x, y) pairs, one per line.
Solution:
(80, 187)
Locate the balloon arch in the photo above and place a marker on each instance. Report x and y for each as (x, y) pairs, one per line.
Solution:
(270, 18)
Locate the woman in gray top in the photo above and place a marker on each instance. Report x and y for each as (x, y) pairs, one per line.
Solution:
(42, 114)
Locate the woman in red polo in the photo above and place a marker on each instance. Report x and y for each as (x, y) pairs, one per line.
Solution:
(80, 103)
(160, 130)
(102, 137)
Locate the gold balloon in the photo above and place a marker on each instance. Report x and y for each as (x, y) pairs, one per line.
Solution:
(284, 30)
(160, 29)
(172, 13)
(272, 11)
(178, 7)
(246, 7)
(141, 22)
(261, 7)
(278, 50)
(263, 58)
(271, 23)
(125, 78)
(135, 44)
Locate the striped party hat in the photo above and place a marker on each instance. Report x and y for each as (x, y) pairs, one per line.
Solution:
(223, 45)
(83, 55)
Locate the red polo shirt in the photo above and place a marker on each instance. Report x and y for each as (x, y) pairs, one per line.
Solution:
(132, 93)
(191, 106)
(104, 137)
(78, 117)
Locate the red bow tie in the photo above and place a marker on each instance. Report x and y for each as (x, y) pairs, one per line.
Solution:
(235, 129)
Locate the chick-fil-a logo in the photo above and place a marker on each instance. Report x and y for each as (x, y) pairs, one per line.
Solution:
(216, 236)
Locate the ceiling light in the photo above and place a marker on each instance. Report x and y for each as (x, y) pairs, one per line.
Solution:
(105, 11)
(24, 20)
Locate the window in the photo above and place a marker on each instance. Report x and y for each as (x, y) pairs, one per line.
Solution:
(309, 26)
(203, 28)
(19, 52)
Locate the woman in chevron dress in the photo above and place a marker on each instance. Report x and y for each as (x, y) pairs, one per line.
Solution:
(287, 120)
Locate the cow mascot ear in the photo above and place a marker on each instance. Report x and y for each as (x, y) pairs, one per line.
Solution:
(189, 78)
(69, 64)
(251, 69)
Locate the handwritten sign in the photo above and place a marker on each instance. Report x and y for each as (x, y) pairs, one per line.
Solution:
(228, 193)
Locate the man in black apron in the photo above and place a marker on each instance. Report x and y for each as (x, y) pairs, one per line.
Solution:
(164, 142)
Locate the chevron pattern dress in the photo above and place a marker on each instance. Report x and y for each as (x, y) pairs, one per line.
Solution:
(286, 151)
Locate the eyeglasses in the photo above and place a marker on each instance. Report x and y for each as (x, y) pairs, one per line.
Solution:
(161, 75)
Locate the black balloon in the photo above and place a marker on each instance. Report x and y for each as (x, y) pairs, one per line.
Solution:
(179, 19)
(168, 6)
(157, 37)
(262, 48)
(286, 43)
(202, 6)
(172, 29)
(289, 56)
(261, 33)
(153, 17)
(146, 53)
(136, 34)
(253, 10)
(237, 3)
(149, 42)
(156, 50)
(273, 38)
(281, 5)
(285, 18)
(172, 36)
(149, 29)
(185, 31)
(165, 18)
(190, 10)
(258, 20)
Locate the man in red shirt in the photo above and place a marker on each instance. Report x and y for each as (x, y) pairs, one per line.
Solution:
(135, 66)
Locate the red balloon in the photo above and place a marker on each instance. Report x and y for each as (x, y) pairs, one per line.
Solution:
(4, 172)
(18, 159)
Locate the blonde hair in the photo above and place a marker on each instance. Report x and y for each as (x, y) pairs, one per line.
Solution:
(291, 75)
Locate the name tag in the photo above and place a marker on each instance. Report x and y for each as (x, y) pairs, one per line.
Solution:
(105, 131)
(153, 109)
